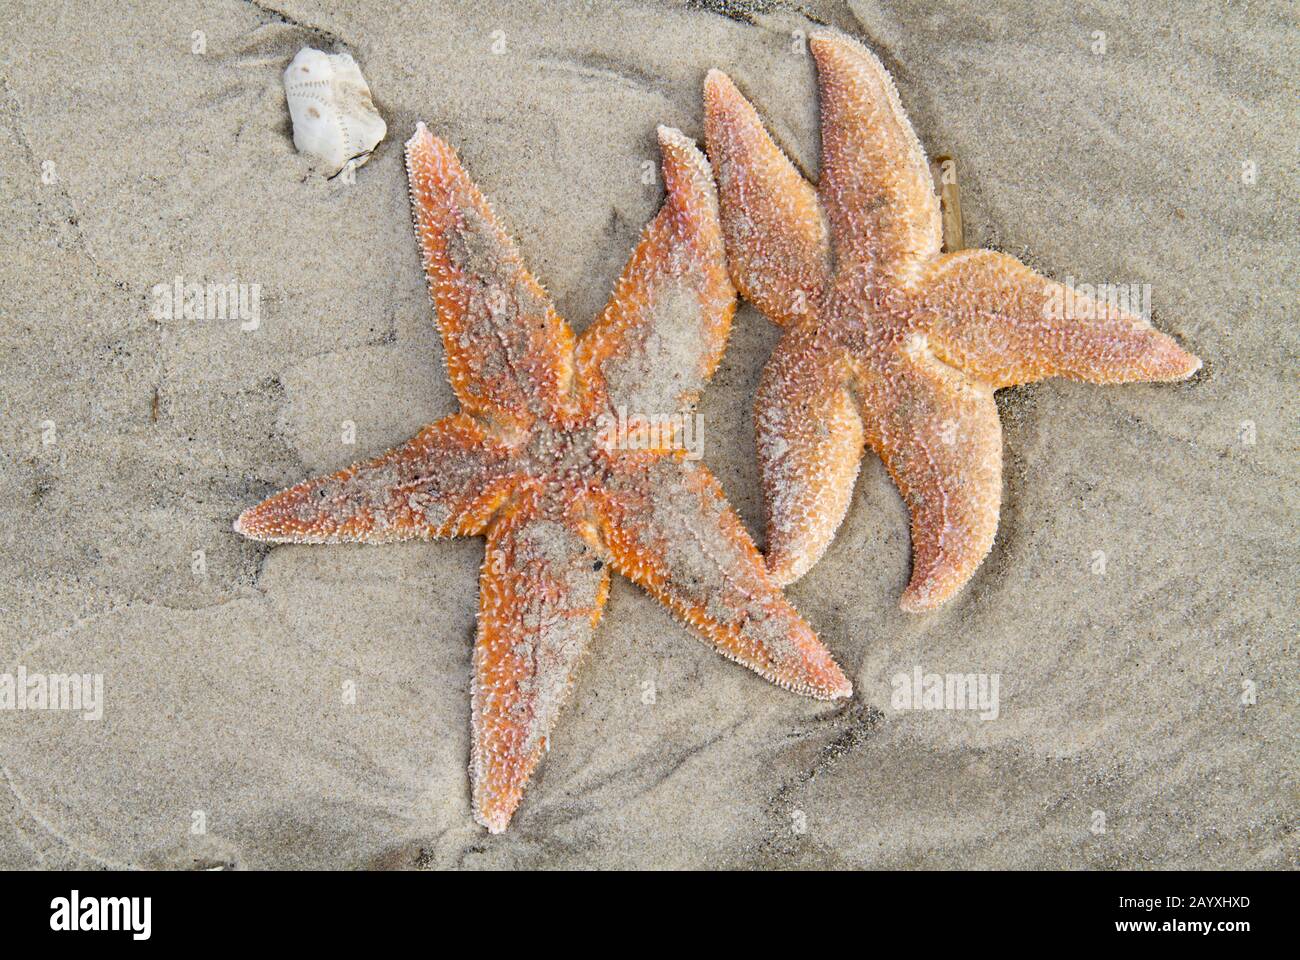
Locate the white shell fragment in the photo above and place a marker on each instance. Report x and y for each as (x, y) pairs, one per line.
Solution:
(334, 120)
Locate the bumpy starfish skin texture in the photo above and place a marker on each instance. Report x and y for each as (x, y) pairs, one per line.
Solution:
(890, 344)
(528, 464)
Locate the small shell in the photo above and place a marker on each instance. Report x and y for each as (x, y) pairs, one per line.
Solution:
(334, 119)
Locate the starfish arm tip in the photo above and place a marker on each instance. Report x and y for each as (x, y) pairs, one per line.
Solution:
(673, 141)
(723, 101)
(825, 40)
(421, 133)
(1191, 365)
(822, 677)
(914, 602)
(715, 82)
(494, 821)
(246, 524)
(935, 588)
(1154, 357)
(681, 152)
(784, 569)
(824, 43)
(778, 570)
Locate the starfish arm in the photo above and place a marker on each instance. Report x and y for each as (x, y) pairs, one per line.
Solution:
(939, 435)
(995, 318)
(810, 444)
(541, 593)
(446, 481)
(778, 247)
(666, 526)
(875, 182)
(665, 328)
(509, 354)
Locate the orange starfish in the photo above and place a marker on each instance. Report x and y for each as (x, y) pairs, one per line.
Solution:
(890, 344)
(529, 463)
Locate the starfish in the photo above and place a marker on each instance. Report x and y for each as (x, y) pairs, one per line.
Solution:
(531, 463)
(889, 343)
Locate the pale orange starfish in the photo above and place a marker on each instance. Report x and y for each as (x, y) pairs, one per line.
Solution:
(530, 463)
(888, 343)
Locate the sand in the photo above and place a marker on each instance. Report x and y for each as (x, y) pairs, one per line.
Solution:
(308, 706)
